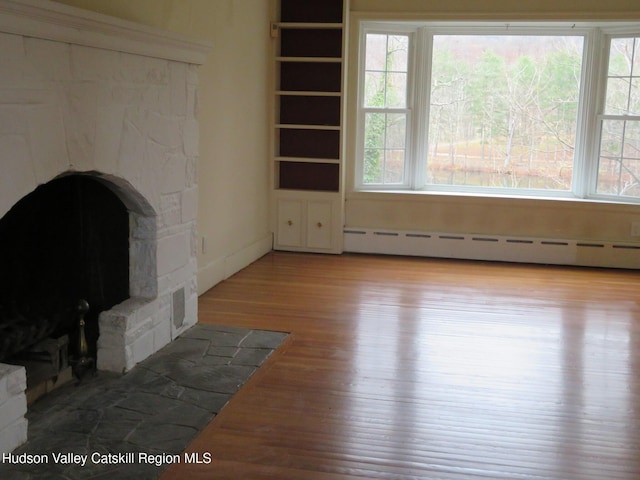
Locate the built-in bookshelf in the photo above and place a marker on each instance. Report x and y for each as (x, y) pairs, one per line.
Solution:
(308, 117)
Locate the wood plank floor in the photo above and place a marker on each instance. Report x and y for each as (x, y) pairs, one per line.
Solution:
(406, 368)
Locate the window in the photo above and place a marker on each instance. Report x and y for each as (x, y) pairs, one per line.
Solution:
(619, 163)
(500, 109)
(386, 114)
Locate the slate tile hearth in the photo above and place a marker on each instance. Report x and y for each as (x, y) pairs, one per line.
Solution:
(157, 408)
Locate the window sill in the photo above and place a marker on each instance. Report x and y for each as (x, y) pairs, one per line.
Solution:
(465, 197)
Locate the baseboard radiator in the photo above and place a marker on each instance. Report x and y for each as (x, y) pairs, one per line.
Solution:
(493, 248)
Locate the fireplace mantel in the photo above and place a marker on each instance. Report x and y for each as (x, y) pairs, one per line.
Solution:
(58, 22)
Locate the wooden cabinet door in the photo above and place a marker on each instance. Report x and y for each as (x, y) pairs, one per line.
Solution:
(319, 224)
(290, 217)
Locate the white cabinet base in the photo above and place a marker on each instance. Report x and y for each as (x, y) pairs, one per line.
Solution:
(310, 222)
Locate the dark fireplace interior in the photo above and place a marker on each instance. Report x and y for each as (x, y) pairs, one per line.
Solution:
(66, 241)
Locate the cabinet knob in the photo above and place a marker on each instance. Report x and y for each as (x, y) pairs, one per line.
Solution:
(289, 222)
(319, 224)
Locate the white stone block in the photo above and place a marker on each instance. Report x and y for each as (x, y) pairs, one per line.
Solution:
(110, 339)
(192, 171)
(183, 275)
(48, 147)
(139, 330)
(132, 149)
(171, 211)
(109, 126)
(112, 359)
(126, 95)
(143, 269)
(163, 101)
(80, 115)
(139, 350)
(178, 88)
(127, 315)
(144, 70)
(117, 319)
(193, 281)
(143, 227)
(193, 77)
(93, 64)
(163, 316)
(161, 334)
(189, 205)
(175, 171)
(12, 409)
(15, 377)
(173, 253)
(15, 155)
(193, 93)
(13, 381)
(12, 59)
(50, 61)
(191, 137)
(195, 242)
(13, 435)
(12, 119)
(167, 284)
(147, 309)
(169, 202)
(165, 130)
(157, 99)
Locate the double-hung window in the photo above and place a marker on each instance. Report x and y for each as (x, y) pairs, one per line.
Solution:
(540, 109)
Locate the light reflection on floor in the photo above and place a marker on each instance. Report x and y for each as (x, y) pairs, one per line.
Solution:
(495, 376)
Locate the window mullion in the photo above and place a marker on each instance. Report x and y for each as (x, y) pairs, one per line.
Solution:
(420, 107)
(588, 128)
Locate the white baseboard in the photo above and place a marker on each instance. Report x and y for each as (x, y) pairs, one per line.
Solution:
(494, 248)
(223, 267)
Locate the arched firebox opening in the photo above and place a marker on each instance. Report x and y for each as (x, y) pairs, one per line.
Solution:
(67, 240)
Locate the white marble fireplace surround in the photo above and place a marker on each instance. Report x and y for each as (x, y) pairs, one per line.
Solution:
(84, 93)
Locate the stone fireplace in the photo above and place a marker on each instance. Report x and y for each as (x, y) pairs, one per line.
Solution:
(96, 108)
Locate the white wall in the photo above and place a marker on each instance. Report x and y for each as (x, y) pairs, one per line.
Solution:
(234, 185)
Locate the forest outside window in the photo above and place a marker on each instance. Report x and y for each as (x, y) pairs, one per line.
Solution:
(537, 109)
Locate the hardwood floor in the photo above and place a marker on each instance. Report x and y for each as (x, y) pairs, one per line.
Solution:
(404, 368)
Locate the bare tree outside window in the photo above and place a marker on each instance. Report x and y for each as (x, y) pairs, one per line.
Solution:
(503, 111)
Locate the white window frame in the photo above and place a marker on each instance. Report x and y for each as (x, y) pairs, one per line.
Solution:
(597, 37)
(409, 110)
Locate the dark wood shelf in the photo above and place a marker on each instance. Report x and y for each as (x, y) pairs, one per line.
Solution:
(310, 143)
(309, 176)
(310, 77)
(311, 43)
(310, 110)
(311, 11)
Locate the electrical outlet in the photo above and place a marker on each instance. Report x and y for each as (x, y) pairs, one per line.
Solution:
(635, 228)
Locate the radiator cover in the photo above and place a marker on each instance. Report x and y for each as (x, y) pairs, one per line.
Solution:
(552, 251)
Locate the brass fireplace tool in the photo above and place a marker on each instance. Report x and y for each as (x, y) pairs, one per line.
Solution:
(84, 361)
